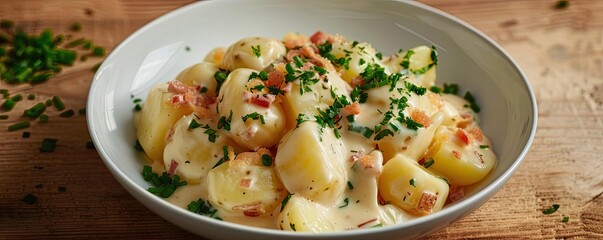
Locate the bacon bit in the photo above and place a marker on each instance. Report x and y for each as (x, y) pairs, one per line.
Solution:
(352, 109)
(427, 203)
(368, 163)
(250, 158)
(173, 167)
(177, 87)
(246, 182)
(275, 78)
(251, 210)
(461, 134)
(319, 38)
(477, 133)
(456, 193)
(263, 100)
(293, 40)
(435, 100)
(466, 119)
(457, 154)
(367, 222)
(420, 117)
(178, 99)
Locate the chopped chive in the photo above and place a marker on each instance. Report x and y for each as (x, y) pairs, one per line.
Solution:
(18, 126)
(81, 111)
(43, 118)
(75, 43)
(7, 105)
(350, 186)
(58, 103)
(565, 219)
(48, 102)
(17, 97)
(484, 146)
(35, 111)
(26, 134)
(561, 4)
(30, 199)
(76, 27)
(346, 202)
(428, 163)
(266, 160)
(256, 50)
(98, 51)
(48, 145)
(31, 96)
(285, 201)
(67, 113)
(263, 75)
(292, 226)
(194, 124)
(551, 210)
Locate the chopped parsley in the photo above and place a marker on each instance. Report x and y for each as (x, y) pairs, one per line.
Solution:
(469, 97)
(384, 133)
(428, 163)
(350, 186)
(300, 119)
(346, 202)
(406, 59)
(551, 210)
(194, 124)
(285, 201)
(266, 160)
(565, 219)
(30, 199)
(202, 207)
(412, 182)
(220, 77)
(364, 131)
(253, 116)
(275, 90)
(48, 145)
(211, 134)
(451, 88)
(484, 146)
(18, 126)
(379, 55)
(225, 122)
(435, 89)
(292, 227)
(414, 88)
(164, 184)
(257, 51)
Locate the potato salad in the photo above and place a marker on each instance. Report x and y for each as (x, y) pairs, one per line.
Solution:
(312, 134)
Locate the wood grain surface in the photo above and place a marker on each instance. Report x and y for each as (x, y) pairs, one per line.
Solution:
(560, 50)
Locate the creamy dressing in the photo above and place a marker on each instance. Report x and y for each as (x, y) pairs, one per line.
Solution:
(334, 178)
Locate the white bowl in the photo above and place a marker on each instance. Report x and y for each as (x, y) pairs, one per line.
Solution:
(158, 51)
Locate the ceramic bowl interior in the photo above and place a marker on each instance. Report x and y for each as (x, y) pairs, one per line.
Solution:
(161, 49)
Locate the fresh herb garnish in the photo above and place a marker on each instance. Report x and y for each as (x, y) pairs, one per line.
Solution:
(202, 207)
(551, 210)
(469, 97)
(565, 219)
(35, 111)
(48, 145)
(300, 119)
(30, 199)
(414, 88)
(220, 76)
(18, 126)
(345, 203)
(350, 186)
(561, 4)
(225, 122)
(428, 163)
(67, 113)
(256, 50)
(194, 124)
(266, 160)
(285, 201)
(452, 88)
(412, 182)
(164, 184)
(484, 146)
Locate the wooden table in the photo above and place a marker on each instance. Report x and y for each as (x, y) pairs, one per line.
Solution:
(560, 50)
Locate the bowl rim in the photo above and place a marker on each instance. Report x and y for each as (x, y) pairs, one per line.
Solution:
(484, 194)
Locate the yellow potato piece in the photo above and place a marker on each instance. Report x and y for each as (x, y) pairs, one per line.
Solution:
(303, 215)
(409, 186)
(157, 117)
